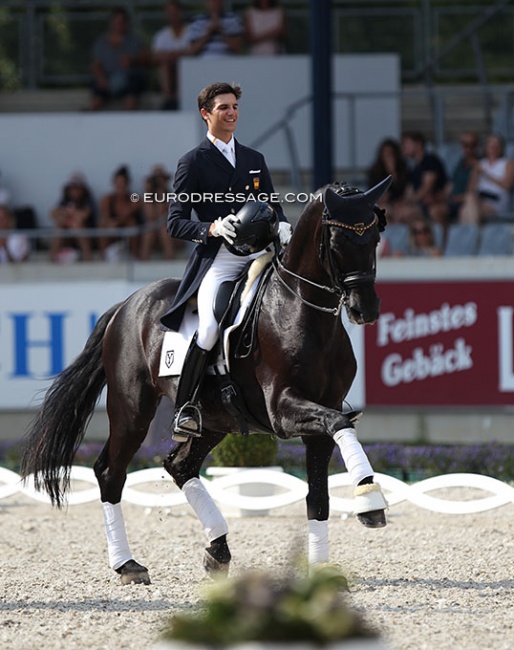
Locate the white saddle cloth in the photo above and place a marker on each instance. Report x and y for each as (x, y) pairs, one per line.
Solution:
(176, 344)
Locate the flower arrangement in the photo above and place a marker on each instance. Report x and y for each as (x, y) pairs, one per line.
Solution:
(259, 607)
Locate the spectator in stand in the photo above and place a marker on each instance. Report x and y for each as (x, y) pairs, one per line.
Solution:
(216, 32)
(427, 180)
(169, 44)
(389, 161)
(490, 185)
(118, 211)
(265, 27)
(75, 210)
(118, 60)
(157, 211)
(422, 240)
(14, 247)
(461, 173)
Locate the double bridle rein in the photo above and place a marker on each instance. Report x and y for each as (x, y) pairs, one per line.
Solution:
(341, 286)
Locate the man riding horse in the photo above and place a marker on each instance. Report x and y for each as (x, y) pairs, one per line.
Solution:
(218, 170)
(293, 380)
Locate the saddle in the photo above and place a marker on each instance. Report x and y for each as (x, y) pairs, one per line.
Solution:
(241, 342)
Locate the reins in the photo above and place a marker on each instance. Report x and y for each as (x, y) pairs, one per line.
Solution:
(277, 264)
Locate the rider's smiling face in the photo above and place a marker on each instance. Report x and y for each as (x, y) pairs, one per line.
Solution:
(222, 118)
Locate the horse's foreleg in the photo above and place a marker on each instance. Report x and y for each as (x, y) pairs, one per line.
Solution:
(297, 414)
(318, 452)
(184, 464)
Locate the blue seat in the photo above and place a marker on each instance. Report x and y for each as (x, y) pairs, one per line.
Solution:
(397, 237)
(496, 239)
(462, 240)
(438, 231)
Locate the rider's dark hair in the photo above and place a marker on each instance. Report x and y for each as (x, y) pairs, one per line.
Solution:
(209, 93)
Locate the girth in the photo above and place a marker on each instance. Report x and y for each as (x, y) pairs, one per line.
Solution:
(226, 307)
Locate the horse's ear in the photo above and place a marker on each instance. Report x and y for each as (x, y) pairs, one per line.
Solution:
(333, 201)
(376, 193)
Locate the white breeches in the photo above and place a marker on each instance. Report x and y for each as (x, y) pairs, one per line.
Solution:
(225, 266)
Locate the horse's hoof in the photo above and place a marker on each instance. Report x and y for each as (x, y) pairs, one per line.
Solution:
(132, 572)
(370, 505)
(354, 416)
(373, 519)
(214, 567)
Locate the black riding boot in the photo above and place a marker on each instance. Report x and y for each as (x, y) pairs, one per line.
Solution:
(188, 422)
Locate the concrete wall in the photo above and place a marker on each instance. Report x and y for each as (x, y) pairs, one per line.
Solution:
(38, 151)
(273, 87)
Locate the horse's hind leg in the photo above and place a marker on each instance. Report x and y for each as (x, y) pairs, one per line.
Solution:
(318, 452)
(128, 427)
(184, 464)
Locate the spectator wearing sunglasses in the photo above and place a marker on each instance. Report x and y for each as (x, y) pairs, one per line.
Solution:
(422, 240)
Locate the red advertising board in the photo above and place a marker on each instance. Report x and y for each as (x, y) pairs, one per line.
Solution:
(442, 344)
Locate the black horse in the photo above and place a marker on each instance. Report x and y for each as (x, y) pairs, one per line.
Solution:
(293, 383)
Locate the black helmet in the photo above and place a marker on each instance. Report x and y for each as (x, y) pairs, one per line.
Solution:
(256, 228)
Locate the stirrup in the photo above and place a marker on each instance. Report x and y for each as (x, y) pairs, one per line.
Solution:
(187, 423)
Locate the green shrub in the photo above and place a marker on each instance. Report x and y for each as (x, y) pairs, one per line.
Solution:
(254, 450)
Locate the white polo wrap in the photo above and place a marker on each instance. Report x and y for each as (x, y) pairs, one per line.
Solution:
(206, 510)
(355, 460)
(117, 543)
(318, 549)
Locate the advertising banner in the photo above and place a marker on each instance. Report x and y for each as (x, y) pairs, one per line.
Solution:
(441, 344)
(42, 329)
(436, 343)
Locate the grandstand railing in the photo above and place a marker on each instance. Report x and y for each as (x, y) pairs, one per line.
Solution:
(47, 42)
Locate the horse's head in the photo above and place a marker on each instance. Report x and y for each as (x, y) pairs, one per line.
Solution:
(351, 225)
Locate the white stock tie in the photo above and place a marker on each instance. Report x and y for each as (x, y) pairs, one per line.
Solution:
(229, 155)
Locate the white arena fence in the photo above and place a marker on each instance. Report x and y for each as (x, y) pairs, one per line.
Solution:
(287, 489)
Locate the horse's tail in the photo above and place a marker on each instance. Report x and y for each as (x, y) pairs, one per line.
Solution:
(59, 427)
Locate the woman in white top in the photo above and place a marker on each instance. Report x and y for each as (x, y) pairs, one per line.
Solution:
(169, 44)
(490, 184)
(265, 25)
(13, 247)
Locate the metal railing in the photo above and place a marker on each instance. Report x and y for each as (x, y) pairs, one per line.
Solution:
(496, 104)
(47, 42)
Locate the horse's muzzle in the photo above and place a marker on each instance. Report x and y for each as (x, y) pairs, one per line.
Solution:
(363, 308)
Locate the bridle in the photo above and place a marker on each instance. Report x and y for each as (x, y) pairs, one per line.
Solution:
(341, 285)
(352, 279)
